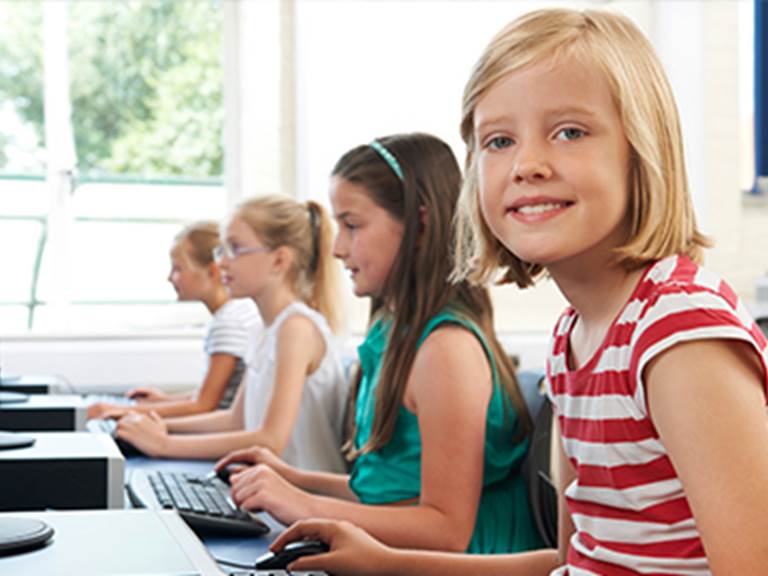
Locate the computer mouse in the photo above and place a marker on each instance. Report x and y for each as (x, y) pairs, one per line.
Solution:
(228, 470)
(279, 560)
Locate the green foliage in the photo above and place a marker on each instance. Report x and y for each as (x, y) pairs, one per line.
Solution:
(21, 70)
(145, 85)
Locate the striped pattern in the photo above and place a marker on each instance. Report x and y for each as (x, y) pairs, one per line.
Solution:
(628, 505)
(231, 327)
(229, 332)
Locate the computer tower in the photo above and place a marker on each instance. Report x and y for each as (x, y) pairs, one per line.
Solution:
(34, 383)
(44, 412)
(62, 471)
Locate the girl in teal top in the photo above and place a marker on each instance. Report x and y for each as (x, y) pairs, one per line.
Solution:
(393, 473)
(440, 426)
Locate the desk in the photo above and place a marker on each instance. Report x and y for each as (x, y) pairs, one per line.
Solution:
(242, 550)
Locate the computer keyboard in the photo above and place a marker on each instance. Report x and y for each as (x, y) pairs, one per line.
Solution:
(109, 426)
(203, 502)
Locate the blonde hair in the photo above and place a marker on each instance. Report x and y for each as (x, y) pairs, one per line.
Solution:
(305, 228)
(660, 215)
(198, 241)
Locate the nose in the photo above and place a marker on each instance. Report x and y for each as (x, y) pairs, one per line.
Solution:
(339, 246)
(531, 163)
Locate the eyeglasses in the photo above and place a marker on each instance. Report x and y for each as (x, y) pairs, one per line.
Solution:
(232, 251)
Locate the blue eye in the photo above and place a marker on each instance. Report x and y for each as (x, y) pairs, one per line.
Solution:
(570, 134)
(499, 142)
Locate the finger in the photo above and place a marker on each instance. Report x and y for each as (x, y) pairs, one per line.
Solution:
(313, 562)
(237, 471)
(222, 462)
(234, 456)
(241, 491)
(253, 504)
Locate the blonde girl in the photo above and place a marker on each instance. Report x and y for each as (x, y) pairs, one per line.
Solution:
(437, 410)
(197, 278)
(276, 251)
(656, 372)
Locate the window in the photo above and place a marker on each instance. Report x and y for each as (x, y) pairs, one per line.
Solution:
(111, 138)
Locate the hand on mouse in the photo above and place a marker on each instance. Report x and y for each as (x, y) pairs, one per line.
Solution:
(147, 432)
(258, 455)
(352, 550)
(262, 488)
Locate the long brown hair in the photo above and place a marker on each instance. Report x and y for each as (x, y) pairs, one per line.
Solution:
(418, 287)
(306, 229)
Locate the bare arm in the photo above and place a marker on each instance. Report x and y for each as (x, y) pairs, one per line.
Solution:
(220, 370)
(355, 553)
(299, 347)
(707, 401)
(449, 388)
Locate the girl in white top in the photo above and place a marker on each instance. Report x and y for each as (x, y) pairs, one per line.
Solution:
(278, 252)
(315, 441)
(197, 278)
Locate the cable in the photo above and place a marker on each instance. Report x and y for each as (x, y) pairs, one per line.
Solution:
(234, 564)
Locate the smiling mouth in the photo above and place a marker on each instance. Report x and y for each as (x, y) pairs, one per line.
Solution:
(536, 209)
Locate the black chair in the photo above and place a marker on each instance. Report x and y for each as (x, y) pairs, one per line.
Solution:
(542, 493)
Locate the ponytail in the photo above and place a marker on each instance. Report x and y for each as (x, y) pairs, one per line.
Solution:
(323, 270)
(305, 228)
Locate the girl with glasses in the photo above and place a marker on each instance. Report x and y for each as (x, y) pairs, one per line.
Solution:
(277, 252)
(195, 276)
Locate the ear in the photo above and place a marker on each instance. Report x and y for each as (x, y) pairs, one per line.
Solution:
(282, 259)
(213, 272)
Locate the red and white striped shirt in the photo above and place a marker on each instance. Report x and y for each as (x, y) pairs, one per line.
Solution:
(627, 503)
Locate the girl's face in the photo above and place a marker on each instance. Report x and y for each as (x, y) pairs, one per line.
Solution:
(369, 237)
(246, 263)
(188, 278)
(553, 164)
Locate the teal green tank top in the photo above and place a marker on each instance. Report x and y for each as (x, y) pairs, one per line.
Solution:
(393, 473)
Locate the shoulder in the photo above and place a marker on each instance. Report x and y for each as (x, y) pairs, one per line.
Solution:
(238, 311)
(452, 334)
(681, 300)
(451, 371)
(452, 347)
(298, 326)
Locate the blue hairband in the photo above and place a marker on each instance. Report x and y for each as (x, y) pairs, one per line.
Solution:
(389, 157)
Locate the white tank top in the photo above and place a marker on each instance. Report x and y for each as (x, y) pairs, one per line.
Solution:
(315, 443)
